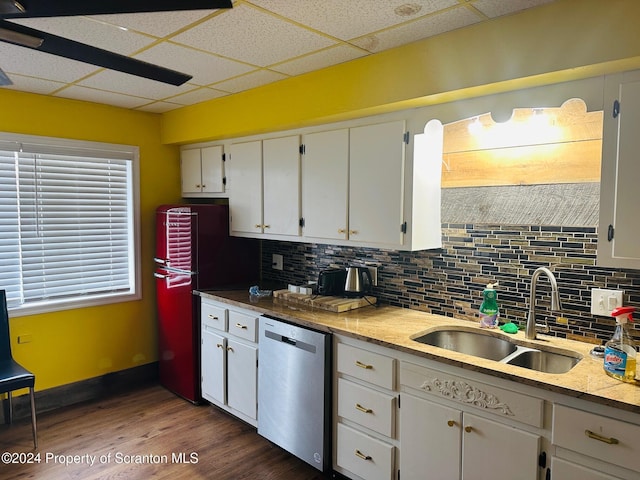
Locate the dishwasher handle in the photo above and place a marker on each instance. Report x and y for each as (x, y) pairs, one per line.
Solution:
(290, 341)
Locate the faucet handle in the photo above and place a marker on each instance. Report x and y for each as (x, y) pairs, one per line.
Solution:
(543, 327)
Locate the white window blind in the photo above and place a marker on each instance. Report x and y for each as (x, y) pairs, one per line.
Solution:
(67, 229)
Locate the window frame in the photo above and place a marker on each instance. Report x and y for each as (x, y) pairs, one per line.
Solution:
(132, 153)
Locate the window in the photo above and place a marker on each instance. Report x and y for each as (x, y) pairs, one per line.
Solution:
(68, 223)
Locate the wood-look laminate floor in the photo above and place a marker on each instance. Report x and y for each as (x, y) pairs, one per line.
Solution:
(143, 434)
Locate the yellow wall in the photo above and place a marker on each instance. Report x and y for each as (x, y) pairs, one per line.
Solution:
(564, 40)
(77, 344)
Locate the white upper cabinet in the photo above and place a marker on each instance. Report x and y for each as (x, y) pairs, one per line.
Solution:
(244, 183)
(325, 183)
(376, 180)
(619, 227)
(368, 185)
(264, 187)
(202, 171)
(281, 177)
(360, 183)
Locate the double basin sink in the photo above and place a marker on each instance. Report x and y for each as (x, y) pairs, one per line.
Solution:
(500, 349)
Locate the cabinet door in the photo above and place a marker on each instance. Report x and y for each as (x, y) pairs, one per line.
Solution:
(212, 173)
(242, 378)
(376, 179)
(281, 198)
(213, 365)
(244, 177)
(430, 439)
(191, 171)
(496, 451)
(620, 172)
(325, 174)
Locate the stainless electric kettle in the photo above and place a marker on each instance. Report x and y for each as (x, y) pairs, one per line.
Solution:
(358, 282)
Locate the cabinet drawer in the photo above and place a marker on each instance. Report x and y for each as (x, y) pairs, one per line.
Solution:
(482, 396)
(243, 325)
(563, 470)
(213, 316)
(365, 456)
(368, 366)
(596, 436)
(369, 408)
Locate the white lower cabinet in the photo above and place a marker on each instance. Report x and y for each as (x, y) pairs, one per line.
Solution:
(440, 442)
(365, 410)
(229, 359)
(597, 443)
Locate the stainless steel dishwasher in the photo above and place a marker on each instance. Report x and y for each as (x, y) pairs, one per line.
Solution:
(294, 394)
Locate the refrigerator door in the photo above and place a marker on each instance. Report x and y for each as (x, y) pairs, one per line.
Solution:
(176, 238)
(177, 334)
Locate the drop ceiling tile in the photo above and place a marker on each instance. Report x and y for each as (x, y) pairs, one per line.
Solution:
(250, 80)
(417, 30)
(158, 24)
(496, 8)
(99, 96)
(118, 82)
(354, 18)
(33, 85)
(200, 95)
(252, 36)
(205, 67)
(96, 34)
(25, 61)
(321, 59)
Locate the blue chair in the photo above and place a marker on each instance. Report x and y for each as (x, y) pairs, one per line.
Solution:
(12, 375)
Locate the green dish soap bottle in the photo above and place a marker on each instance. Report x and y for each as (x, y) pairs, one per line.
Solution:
(620, 352)
(489, 307)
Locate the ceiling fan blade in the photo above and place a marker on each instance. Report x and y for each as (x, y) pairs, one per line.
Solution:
(81, 52)
(4, 79)
(60, 8)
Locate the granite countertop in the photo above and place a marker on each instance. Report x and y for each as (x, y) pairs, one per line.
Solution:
(394, 327)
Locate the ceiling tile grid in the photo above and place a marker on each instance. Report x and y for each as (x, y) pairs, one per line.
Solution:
(228, 51)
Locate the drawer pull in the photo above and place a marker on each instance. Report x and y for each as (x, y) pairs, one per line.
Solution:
(240, 326)
(229, 349)
(219, 345)
(468, 429)
(361, 455)
(451, 423)
(363, 365)
(213, 317)
(363, 409)
(600, 438)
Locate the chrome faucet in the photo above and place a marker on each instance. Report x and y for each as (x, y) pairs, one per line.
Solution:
(531, 330)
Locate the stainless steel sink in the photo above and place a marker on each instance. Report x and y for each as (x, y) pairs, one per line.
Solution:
(544, 361)
(471, 343)
(485, 345)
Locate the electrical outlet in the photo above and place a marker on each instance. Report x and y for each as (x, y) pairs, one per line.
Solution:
(604, 301)
(277, 261)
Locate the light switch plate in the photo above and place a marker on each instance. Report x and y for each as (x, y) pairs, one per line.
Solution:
(603, 301)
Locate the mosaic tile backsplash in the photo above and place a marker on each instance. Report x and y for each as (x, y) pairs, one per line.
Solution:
(449, 281)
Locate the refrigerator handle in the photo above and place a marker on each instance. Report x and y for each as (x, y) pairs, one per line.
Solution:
(159, 275)
(161, 261)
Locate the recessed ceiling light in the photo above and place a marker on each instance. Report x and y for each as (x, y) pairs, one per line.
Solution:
(407, 10)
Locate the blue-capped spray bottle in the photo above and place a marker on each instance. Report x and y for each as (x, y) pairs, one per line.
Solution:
(489, 307)
(620, 352)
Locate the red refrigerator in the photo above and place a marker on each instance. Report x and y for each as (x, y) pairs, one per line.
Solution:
(194, 252)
